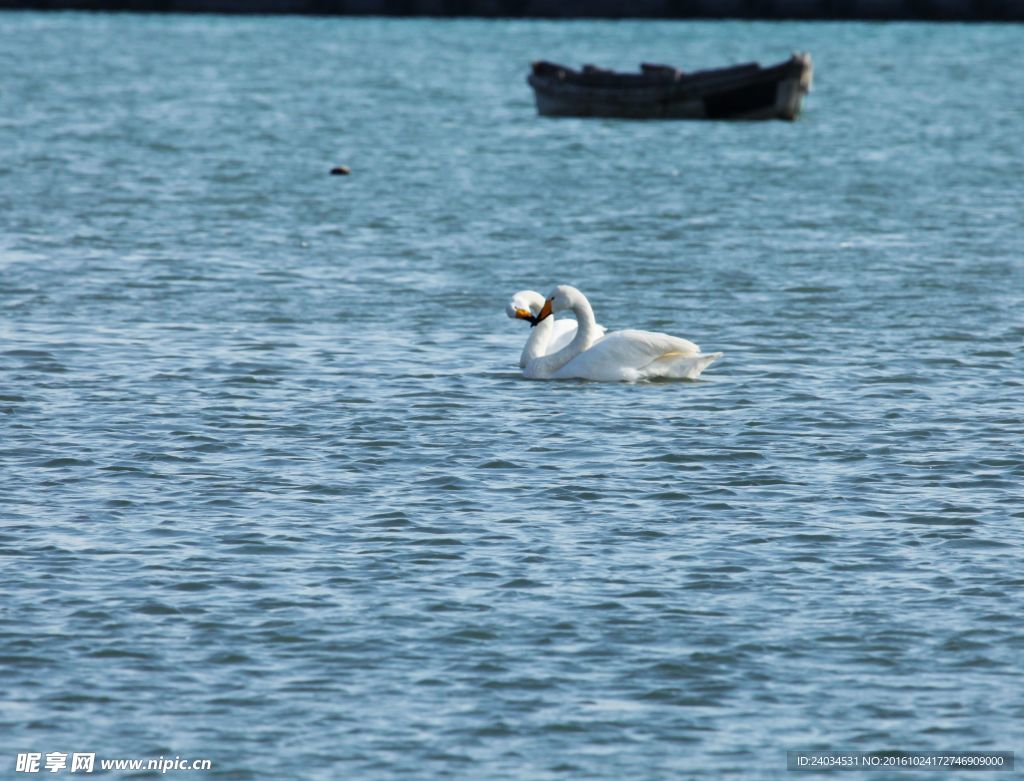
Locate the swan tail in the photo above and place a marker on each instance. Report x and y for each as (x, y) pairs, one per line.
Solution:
(678, 366)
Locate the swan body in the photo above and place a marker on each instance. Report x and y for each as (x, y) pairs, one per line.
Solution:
(546, 336)
(620, 356)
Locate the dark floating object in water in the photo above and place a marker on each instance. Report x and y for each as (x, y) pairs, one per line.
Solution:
(662, 92)
(341, 170)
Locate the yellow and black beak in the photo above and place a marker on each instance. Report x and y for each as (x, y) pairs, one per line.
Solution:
(524, 314)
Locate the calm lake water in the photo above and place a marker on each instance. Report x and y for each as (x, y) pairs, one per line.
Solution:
(275, 494)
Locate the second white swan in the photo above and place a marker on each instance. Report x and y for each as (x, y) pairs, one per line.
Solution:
(620, 356)
(546, 336)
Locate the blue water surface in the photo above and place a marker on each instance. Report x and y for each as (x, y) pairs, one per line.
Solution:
(274, 493)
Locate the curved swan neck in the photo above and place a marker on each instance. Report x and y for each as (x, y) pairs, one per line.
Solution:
(587, 333)
(586, 324)
(537, 344)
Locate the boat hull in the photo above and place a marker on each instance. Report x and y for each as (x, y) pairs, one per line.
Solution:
(740, 92)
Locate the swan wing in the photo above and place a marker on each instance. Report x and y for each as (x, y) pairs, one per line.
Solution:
(629, 355)
(565, 332)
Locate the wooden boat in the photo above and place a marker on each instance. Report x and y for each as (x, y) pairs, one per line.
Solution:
(662, 92)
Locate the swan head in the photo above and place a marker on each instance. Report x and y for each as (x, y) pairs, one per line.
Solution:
(525, 305)
(562, 297)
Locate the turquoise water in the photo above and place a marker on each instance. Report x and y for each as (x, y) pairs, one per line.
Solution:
(275, 494)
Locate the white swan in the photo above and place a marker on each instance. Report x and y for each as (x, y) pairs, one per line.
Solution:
(546, 336)
(622, 355)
